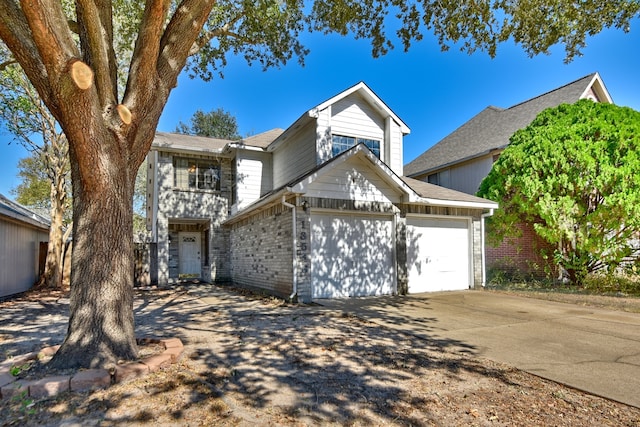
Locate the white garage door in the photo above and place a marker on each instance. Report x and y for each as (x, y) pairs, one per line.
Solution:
(351, 255)
(438, 254)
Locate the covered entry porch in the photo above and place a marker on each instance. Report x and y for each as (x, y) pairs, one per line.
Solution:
(188, 249)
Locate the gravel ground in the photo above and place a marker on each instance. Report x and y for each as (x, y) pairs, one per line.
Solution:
(257, 361)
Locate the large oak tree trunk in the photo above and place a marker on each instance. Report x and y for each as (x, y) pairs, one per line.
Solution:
(101, 323)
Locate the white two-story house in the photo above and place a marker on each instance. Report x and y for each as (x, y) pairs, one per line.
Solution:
(319, 210)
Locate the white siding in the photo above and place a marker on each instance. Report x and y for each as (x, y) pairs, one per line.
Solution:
(395, 148)
(354, 180)
(352, 116)
(19, 249)
(295, 157)
(323, 132)
(254, 176)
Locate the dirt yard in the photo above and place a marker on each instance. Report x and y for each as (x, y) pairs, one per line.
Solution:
(258, 361)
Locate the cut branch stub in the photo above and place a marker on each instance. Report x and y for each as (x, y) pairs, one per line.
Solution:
(82, 75)
(124, 113)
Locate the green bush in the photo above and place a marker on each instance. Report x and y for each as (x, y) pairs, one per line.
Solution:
(612, 284)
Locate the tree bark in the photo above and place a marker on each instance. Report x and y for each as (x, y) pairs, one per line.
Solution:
(53, 265)
(107, 145)
(101, 325)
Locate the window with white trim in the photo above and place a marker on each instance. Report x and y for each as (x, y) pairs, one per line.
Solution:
(196, 174)
(341, 143)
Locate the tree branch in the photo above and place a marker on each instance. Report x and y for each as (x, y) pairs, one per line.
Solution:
(15, 32)
(207, 36)
(155, 67)
(51, 35)
(142, 73)
(96, 37)
(5, 64)
(181, 33)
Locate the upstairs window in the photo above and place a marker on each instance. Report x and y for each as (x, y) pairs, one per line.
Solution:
(341, 143)
(191, 174)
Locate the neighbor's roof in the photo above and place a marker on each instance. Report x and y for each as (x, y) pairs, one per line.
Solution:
(13, 210)
(491, 129)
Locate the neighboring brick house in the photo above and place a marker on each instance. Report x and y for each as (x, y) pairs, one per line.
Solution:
(21, 233)
(319, 210)
(462, 159)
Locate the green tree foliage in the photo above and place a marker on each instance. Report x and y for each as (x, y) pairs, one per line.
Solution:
(34, 190)
(214, 124)
(573, 173)
(77, 58)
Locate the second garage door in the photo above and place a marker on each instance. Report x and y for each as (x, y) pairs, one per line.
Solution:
(438, 254)
(351, 255)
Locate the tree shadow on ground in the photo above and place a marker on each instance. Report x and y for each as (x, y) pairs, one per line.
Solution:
(307, 361)
(246, 356)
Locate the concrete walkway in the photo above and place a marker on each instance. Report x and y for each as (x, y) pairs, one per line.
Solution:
(591, 349)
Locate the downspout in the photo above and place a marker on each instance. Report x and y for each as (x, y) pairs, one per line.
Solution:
(484, 261)
(294, 248)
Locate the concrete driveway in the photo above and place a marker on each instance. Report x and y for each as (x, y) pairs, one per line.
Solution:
(591, 349)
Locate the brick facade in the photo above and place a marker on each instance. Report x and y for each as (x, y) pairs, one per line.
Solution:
(521, 256)
(261, 251)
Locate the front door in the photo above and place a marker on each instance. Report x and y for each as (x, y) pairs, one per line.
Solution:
(189, 255)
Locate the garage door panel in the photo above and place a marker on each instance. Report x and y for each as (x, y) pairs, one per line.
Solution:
(351, 255)
(438, 254)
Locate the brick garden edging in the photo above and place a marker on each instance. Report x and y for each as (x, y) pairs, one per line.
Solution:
(90, 379)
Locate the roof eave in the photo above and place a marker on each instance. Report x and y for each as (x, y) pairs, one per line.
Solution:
(456, 203)
(185, 149)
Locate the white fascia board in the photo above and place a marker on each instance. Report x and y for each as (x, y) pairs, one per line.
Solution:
(238, 146)
(185, 149)
(370, 96)
(455, 203)
(359, 150)
(600, 89)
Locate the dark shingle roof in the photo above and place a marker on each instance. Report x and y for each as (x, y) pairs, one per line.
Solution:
(179, 141)
(431, 191)
(492, 127)
(262, 140)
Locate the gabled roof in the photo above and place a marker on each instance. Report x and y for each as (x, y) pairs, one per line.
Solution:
(491, 129)
(363, 90)
(417, 192)
(16, 211)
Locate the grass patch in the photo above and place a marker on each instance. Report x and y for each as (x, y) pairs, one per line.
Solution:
(593, 284)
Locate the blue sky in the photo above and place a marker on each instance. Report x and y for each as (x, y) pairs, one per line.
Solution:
(433, 92)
